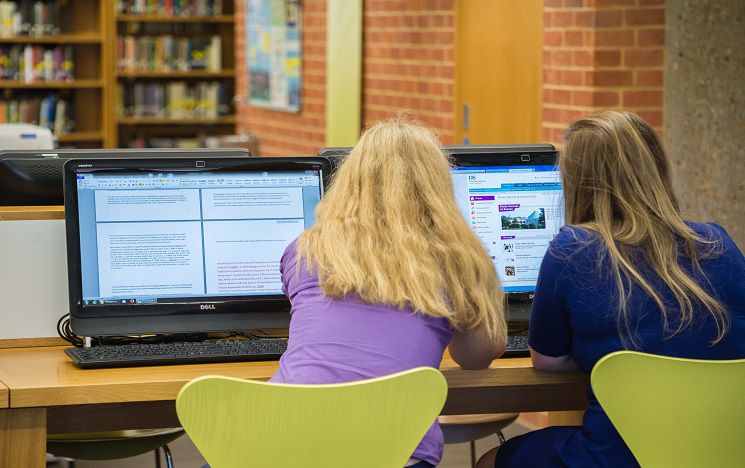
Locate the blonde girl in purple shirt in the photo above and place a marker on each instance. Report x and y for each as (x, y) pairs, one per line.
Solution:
(390, 274)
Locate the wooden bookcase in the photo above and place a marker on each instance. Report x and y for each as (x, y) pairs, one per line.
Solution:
(92, 27)
(124, 128)
(82, 25)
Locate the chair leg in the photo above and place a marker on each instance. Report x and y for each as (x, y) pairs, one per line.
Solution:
(473, 453)
(157, 457)
(169, 458)
(501, 438)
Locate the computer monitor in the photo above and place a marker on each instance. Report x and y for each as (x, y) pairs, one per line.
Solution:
(336, 154)
(181, 245)
(514, 203)
(34, 177)
(511, 196)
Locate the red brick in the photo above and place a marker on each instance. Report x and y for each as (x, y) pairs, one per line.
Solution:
(558, 96)
(614, 38)
(614, 3)
(642, 98)
(582, 98)
(561, 18)
(608, 18)
(582, 58)
(653, 57)
(573, 3)
(574, 38)
(584, 19)
(570, 77)
(649, 78)
(653, 117)
(611, 78)
(552, 38)
(607, 58)
(651, 37)
(606, 99)
(651, 2)
(551, 77)
(645, 17)
(561, 57)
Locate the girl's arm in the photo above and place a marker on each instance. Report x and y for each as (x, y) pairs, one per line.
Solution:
(474, 349)
(549, 363)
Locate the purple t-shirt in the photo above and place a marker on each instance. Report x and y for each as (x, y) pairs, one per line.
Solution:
(334, 341)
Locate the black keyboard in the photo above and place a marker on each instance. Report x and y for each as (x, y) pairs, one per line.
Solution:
(517, 346)
(177, 353)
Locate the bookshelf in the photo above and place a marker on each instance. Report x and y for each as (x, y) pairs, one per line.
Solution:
(91, 32)
(53, 66)
(173, 73)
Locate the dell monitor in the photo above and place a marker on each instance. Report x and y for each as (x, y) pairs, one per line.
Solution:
(177, 245)
(34, 177)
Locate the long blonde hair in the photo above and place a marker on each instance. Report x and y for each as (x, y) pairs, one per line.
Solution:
(617, 183)
(389, 231)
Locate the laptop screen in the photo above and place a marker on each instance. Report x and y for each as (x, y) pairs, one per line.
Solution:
(515, 211)
(170, 237)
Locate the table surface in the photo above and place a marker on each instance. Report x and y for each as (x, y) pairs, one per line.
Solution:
(45, 376)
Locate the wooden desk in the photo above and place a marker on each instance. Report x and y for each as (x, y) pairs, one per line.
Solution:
(31, 213)
(4, 396)
(49, 394)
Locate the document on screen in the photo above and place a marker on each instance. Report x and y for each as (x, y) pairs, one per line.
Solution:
(242, 257)
(150, 259)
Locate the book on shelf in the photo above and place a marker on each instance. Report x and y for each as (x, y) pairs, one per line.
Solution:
(50, 111)
(167, 142)
(174, 100)
(29, 18)
(32, 63)
(170, 8)
(168, 53)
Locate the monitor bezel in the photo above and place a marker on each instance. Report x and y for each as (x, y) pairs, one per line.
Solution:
(22, 189)
(89, 317)
(502, 155)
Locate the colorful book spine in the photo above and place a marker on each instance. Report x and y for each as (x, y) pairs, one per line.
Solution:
(174, 100)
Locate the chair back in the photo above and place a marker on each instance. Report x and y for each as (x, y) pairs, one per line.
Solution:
(370, 423)
(672, 411)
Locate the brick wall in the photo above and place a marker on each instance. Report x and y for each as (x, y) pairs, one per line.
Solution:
(409, 62)
(597, 54)
(283, 133)
(601, 54)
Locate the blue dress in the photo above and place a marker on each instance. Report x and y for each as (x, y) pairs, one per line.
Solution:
(574, 312)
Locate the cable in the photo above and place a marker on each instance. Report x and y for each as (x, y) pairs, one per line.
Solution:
(65, 331)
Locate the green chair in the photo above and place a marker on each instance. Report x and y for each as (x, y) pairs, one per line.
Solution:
(674, 412)
(370, 423)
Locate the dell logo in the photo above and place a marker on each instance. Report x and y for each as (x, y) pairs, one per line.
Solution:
(207, 306)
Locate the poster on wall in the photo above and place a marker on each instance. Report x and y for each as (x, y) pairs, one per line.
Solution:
(273, 54)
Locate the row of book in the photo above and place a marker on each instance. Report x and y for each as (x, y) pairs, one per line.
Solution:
(169, 53)
(174, 100)
(171, 7)
(32, 63)
(50, 111)
(29, 18)
(141, 141)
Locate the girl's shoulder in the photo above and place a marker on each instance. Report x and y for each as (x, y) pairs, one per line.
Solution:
(573, 240)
